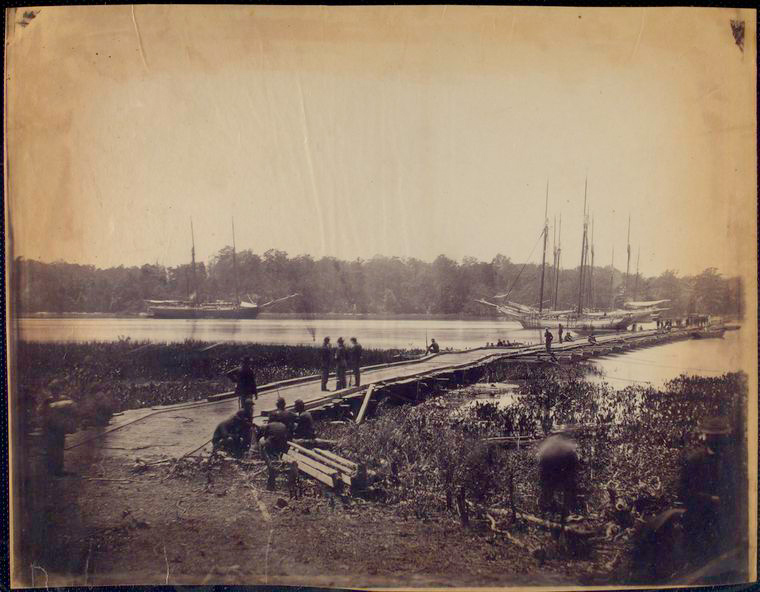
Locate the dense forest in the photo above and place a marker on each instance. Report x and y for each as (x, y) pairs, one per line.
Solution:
(385, 285)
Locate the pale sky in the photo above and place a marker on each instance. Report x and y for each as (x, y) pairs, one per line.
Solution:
(401, 131)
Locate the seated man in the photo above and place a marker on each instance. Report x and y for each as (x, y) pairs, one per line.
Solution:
(304, 422)
(569, 337)
(234, 435)
(592, 339)
(284, 416)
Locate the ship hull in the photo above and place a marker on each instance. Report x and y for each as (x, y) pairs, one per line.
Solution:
(188, 312)
(579, 325)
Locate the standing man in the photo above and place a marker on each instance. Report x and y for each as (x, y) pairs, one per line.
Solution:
(548, 338)
(560, 332)
(708, 488)
(326, 361)
(57, 421)
(558, 468)
(273, 443)
(355, 357)
(341, 364)
(245, 379)
(433, 348)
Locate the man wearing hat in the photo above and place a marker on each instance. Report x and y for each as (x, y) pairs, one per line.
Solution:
(341, 365)
(304, 422)
(273, 442)
(283, 416)
(708, 489)
(245, 379)
(234, 435)
(57, 420)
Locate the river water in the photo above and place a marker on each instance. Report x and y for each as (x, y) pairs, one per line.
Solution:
(373, 333)
(654, 365)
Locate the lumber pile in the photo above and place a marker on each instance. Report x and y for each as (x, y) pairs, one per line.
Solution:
(327, 467)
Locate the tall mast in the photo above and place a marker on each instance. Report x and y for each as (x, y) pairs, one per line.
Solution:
(636, 282)
(192, 253)
(234, 264)
(556, 268)
(591, 269)
(583, 250)
(552, 286)
(543, 262)
(628, 265)
(612, 279)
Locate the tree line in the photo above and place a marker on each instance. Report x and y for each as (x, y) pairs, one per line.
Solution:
(380, 285)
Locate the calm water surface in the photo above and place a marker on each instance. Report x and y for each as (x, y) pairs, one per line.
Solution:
(372, 333)
(654, 365)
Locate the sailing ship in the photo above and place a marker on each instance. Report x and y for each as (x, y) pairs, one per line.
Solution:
(216, 309)
(580, 319)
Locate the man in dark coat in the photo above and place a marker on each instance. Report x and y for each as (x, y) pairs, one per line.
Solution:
(304, 422)
(708, 488)
(548, 338)
(341, 364)
(558, 468)
(234, 435)
(326, 362)
(273, 443)
(433, 348)
(355, 359)
(245, 379)
(58, 419)
(283, 416)
(559, 331)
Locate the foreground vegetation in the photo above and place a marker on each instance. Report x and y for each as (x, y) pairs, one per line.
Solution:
(432, 458)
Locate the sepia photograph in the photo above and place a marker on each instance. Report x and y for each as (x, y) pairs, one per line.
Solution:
(381, 297)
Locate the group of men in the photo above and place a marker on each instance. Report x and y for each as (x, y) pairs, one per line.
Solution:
(344, 358)
(564, 337)
(236, 434)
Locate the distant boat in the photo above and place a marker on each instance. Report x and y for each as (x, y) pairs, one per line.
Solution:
(580, 318)
(217, 309)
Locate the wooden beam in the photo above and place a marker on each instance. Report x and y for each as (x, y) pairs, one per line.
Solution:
(338, 459)
(365, 404)
(571, 528)
(312, 472)
(336, 474)
(317, 457)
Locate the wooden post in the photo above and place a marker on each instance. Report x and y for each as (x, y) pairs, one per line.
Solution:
(365, 404)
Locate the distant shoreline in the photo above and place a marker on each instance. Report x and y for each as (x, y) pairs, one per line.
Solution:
(275, 315)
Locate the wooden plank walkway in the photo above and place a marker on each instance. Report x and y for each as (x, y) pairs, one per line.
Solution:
(178, 429)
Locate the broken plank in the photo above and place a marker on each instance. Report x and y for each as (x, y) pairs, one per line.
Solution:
(365, 404)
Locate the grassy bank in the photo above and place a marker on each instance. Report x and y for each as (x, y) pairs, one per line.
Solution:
(141, 374)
